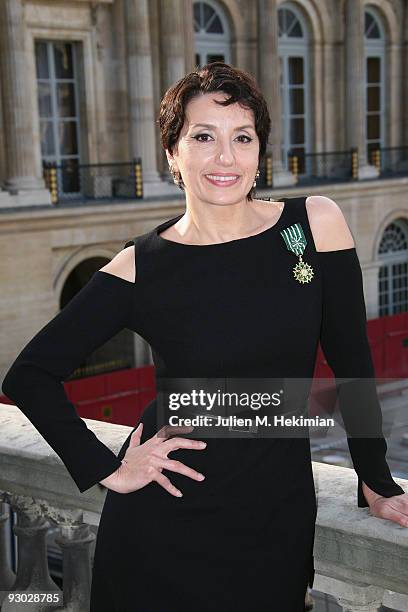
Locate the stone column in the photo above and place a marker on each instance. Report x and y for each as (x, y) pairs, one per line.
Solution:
(32, 569)
(172, 41)
(188, 36)
(142, 124)
(175, 47)
(395, 118)
(269, 83)
(75, 541)
(355, 111)
(22, 173)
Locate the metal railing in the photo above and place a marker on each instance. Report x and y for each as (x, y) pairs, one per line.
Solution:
(314, 168)
(390, 161)
(335, 166)
(323, 167)
(71, 181)
(75, 182)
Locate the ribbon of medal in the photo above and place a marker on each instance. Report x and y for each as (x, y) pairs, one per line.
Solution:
(296, 242)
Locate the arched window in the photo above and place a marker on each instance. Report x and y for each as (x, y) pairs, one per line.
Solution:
(374, 45)
(211, 34)
(294, 85)
(393, 277)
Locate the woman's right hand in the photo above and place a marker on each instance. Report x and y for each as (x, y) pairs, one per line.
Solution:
(143, 463)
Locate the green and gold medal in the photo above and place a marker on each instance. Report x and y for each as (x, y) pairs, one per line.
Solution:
(295, 241)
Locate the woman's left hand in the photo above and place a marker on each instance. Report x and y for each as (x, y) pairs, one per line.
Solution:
(393, 508)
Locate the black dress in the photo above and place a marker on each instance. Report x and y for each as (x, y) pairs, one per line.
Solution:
(242, 538)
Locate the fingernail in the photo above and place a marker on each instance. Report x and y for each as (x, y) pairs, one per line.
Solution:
(179, 494)
(201, 476)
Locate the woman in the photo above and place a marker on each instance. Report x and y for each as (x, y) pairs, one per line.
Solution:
(214, 293)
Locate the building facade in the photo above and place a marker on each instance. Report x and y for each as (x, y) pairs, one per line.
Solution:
(81, 83)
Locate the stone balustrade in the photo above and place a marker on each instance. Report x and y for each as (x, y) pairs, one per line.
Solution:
(360, 560)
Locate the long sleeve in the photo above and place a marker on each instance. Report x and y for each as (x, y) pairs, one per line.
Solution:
(344, 341)
(34, 381)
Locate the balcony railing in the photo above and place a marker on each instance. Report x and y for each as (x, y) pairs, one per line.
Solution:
(390, 161)
(323, 167)
(73, 182)
(314, 168)
(335, 166)
(360, 560)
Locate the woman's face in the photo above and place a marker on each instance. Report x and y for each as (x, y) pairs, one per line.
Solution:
(226, 145)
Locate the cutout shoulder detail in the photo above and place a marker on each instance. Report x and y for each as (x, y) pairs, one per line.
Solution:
(123, 265)
(328, 224)
(114, 276)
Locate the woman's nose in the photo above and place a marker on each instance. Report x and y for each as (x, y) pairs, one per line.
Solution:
(225, 153)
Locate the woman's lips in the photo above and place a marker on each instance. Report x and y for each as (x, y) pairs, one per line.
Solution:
(222, 183)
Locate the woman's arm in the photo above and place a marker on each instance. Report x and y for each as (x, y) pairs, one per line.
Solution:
(344, 341)
(34, 381)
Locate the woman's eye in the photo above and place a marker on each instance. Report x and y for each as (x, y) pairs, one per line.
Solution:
(199, 136)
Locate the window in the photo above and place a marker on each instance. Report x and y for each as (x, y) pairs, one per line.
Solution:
(294, 61)
(374, 44)
(211, 34)
(58, 108)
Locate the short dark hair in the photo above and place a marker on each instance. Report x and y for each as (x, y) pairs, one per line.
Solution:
(213, 77)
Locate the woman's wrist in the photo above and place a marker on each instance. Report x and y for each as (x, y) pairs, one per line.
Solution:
(112, 481)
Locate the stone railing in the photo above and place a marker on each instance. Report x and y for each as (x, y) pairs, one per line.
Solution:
(361, 560)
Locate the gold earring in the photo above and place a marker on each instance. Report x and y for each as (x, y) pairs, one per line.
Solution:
(256, 176)
(176, 177)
